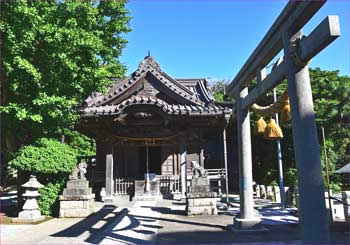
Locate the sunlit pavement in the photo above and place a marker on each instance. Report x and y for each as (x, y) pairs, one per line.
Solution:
(161, 222)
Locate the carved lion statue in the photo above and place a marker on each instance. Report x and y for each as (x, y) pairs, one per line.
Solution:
(198, 170)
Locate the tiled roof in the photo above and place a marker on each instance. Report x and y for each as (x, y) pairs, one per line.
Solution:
(148, 100)
(192, 95)
(147, 65)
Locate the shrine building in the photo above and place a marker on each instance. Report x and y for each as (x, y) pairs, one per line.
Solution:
(150, 122)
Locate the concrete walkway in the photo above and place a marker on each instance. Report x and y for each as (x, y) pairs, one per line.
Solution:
(162, 222)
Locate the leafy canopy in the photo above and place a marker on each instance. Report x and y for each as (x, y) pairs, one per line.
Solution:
(56, 53)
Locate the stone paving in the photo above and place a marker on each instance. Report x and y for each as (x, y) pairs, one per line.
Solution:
(161, 222)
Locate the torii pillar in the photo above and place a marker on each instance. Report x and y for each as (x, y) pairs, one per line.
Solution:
(247, 218)
(306, 148)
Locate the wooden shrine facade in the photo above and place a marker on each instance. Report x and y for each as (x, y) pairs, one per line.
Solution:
(151, 114)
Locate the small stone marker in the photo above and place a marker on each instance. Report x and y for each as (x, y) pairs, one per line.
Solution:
(296, 193)
(257, 191)
(288, 196)
(277, 194)
(269, 192)
(77, 199)
(31, 212)
(262, 191)
(103, 194)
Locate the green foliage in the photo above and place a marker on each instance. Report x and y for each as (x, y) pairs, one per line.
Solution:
(46, 156)
(48, 200)
(218, 88)
(56, 54)
(290, 177)
(52, 162)
(331, 101)
(82, 145)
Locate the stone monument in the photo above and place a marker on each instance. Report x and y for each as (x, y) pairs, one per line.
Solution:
(77, 199)
(31, 212)
(200, 200)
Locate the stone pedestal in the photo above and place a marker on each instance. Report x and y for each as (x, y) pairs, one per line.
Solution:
(201, 204)
(152, 194)
(200, 200)
(77, 199)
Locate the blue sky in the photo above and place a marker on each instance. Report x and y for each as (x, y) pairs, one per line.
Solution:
(213, 39)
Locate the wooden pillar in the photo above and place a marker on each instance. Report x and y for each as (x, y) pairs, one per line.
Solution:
(307, 150)
(225, 161)
(183, 167)
(247, 217)
(109, 175)
(201, 155)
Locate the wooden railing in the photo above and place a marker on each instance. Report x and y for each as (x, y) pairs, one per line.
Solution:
(217, 178)
(169, 184)
(124, 186)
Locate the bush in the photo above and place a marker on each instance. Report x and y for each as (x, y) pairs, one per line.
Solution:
(46, 156)
(52, 162)
(48, 200)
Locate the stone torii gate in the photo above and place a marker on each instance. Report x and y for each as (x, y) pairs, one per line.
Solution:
(286, 34)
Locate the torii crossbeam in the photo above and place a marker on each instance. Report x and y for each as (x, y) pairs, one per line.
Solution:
(286, 34)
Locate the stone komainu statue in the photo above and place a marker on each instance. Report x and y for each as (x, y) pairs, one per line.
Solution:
(198, 170)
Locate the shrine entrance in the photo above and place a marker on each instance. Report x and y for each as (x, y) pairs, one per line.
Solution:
(154, 160)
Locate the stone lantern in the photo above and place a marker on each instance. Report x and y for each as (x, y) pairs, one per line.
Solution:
(31, 212)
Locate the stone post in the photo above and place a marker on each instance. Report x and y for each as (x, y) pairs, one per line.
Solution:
(277, 194)
(269, 193)
(247, 218)
(257, 191)
(183, 168)
(288, 196)
(109, 179)
(346, 199)
(329, 208)
(307, 148)
(262, 191)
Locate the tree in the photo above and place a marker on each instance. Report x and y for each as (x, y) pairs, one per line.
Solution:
(55, 54)
(218, 88)
(332, 106)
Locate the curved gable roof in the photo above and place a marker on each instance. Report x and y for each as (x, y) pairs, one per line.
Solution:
(149, 66)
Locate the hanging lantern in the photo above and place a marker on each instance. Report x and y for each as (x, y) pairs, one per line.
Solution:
(285, 113)
(260, 125)
(273, 131)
